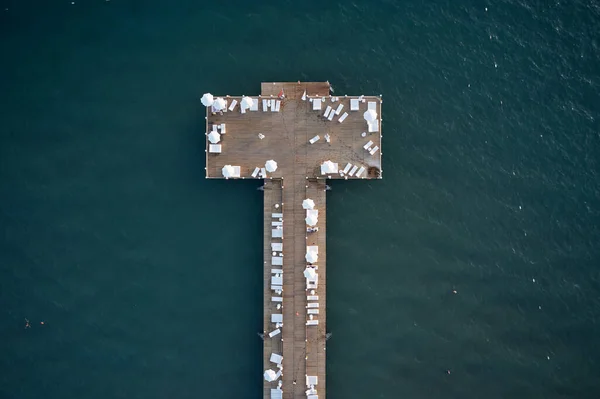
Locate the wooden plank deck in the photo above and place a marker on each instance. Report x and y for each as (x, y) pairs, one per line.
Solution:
(298, 176)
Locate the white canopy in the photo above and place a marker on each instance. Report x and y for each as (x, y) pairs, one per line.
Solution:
(270, 375)
(271, 166)
(228, 171)
(219, 104)
(370, 115)
(207, 99)
(214, 137)
(246, 102)
(310, 273)
(311, 220)
(308, 204)
(312, 257)
(329, 167)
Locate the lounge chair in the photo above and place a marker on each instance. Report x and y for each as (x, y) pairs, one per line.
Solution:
(275, 358)
(265, 105)
(374, 150)
(312, 298)
(312, 380)
(277, 233)
(327, 111)
(317, 104)
(368, 145)
(214, 148)
(353, 170)
(276, 280)
(276, 260)
(277, 105)
(313, 305)
(236, 171)
(277, 246)
(277, 223)
(214, 128)
(331, 115)
(276, 215)
(255, 173)
(274, 333)
(304, 96)
(242, 110)
(263, 173)
(254, 106)
(339, 109)
(233, 104)
(372, 105)
(312, 322)
(314, 248)
(276, 271)
(223, 128)
(354, 104)
(313, 311)
(314, 139)
(343, 117)
(360, 171)
(276, 299)
(276, 318)
(347, 168)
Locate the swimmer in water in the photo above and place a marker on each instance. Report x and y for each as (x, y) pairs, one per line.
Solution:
(27, 325)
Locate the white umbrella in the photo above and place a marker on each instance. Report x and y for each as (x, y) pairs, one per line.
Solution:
(310, 273)
(270, 375)
(329, 167)
(207, 99)
(308, 204)
(311, 220)
(370, 115)
(214, 137)
(228, 171)
(311, 257)
(219, 104)
(271, 166)
(246, 103)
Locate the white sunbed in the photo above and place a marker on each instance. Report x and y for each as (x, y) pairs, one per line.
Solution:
(374, 150)
(275, 358)
(276, 271)
(233, 104)
(277, 246)
(327, 111)
(276, 280)
(354, 104)
(277, 105)
(343, 117)
(223, 128)
(313, 311)
(255, 173)
(312, 298)
(373, 105)
(225, 109)
(311, 380)
(214, 148)
(312, 322)
(265, 105)
(277, 223)
(317, 104)
(277, 393)
(277, 233)
(314, 248)
(242, 110)
(360, 171)
(347, 168)
(276, 318)
(313, 305)
(272, 105)
(214, 128)
(368, 145)
(277, 260)
(314, 139)
(353, 170)
(254, 106)
(276, 299)
(339, 109)
(276, 215)
(331, 115)
(277, 288)
(263, 173)
(274, 333)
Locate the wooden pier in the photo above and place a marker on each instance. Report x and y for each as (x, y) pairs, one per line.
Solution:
(285, 130)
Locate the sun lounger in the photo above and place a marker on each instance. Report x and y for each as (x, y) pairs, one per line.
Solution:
(327, 111)
(254, 106)
(263, 173)
(272, 105)
(314, 248)
(233, 104)
(265, 105)
(343, 117)
(313, 311)
(275, 358)
(276, 215)
(274, 333)
(339, 109)
(276, 223)
(277, 246)
(255, 173)
(223, 128)
(277, 105)
(276, 299)
(354, 104)
(276, 271)
(277, 233)
(242, 110)
(368, 145)
(276, 280)
(360, 171)
(214, 148)
(312, 322)
(331, 115)
(312, 298)
(313, 305)
(372, 105)
(353, 170)
(311, 380)
(317, 104)
(374, 150)
(276, 318)
(314, 139)
(277, 393)
(225, 109)
(276, 260)
(214, 128)
(347, 168)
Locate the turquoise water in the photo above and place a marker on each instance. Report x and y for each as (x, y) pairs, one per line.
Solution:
(148, 277)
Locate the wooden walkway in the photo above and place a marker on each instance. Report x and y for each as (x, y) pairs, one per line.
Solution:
(294, 320)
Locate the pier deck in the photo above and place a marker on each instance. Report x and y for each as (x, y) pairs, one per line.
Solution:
(301, 339)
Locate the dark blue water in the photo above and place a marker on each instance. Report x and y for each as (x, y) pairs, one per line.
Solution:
(111, 236)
